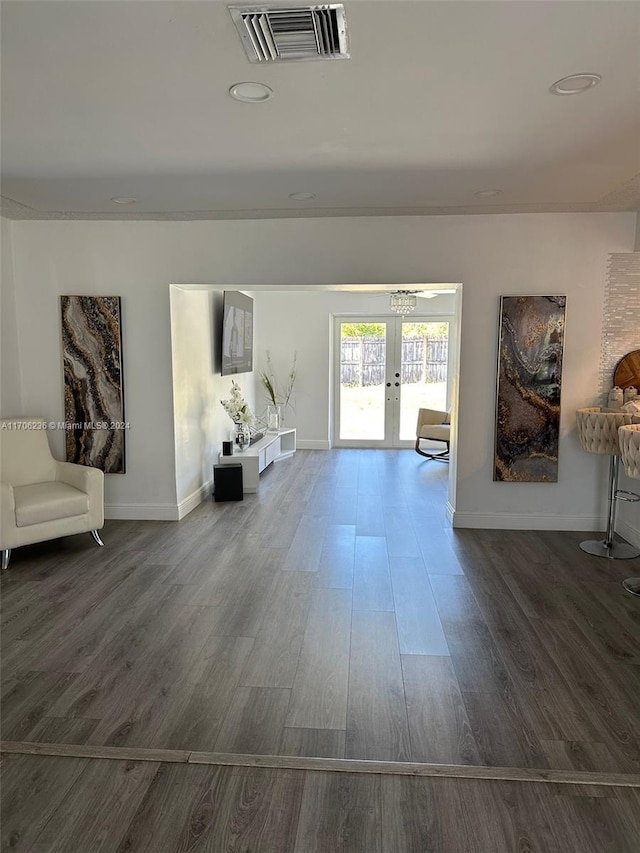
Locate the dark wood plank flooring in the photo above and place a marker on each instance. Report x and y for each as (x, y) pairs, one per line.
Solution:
(332, 614)
(82, 805)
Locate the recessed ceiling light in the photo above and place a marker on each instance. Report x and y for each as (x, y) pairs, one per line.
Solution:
(124, 199)
(574, 84)
(487, 193)
(302, 196)
(250, 93)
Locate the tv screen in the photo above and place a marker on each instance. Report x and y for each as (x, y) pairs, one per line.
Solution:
(237, 333)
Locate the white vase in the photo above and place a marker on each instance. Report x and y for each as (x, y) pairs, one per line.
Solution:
(273, 420)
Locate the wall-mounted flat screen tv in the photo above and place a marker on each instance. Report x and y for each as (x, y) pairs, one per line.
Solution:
(237, 333)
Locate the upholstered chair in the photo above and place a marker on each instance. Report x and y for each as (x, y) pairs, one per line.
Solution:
(41, 498)
(598, 433)
(629, 441)
(433, 425)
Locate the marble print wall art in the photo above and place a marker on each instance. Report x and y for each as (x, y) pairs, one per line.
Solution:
(529, 384)
(93, 388)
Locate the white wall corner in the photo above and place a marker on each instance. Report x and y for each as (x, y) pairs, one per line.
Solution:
(159, 512)
(194, 499)
(451, 514)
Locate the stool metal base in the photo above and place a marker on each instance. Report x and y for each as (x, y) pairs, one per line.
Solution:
(632, 585)
(613, 551)
(607, 547)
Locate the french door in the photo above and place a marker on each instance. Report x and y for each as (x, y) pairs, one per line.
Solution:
(386, 368)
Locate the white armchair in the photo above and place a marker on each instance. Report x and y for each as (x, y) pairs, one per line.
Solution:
(433, 425)
(41, 498)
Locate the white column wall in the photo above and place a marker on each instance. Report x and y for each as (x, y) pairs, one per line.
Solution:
(200, 422)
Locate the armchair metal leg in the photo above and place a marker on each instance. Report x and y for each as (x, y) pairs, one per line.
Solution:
(441, 456)
(6, 556)
(96, 536)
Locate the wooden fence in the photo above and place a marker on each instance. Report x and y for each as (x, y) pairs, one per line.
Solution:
(362, 360)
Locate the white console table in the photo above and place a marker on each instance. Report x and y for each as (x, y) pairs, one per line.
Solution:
(273, 447)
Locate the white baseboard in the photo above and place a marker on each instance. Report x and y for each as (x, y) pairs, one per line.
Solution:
(194, 499)
(494, 521)
(313, 444)
(628, 532)
(158, 512)
(450, 511)
(142, 512)
(506, 521)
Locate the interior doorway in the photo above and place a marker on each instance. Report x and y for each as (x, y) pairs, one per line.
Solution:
(386, 368)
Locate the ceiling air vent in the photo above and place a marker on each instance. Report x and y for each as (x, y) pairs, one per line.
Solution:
(280, 34)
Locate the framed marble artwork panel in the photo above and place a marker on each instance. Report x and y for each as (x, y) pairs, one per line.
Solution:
(529, 385)
(93, 383)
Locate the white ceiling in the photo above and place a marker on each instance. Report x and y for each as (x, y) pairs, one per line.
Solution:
(440, 100)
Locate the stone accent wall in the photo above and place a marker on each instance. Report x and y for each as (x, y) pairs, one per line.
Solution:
(621, 321)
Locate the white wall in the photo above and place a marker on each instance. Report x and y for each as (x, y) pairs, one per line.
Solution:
(200, 422)
(300, 321)
(491, 255)
(10, 387)
(54, 258)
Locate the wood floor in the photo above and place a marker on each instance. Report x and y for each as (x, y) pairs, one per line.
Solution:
(79, 805)
(333, 614)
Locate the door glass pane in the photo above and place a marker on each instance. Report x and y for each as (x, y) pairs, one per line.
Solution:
(424, 372)
(362, 380)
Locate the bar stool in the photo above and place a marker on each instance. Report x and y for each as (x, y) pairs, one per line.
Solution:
(598, 433)
(629, 440)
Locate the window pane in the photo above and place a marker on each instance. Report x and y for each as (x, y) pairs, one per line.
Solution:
(362, 375)
(424, 372)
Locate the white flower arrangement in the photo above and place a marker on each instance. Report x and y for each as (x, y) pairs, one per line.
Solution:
(236, 407)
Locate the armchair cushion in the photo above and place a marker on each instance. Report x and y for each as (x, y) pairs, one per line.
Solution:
(436, 432)
(25, 457)
(433, 425)
(41, 502)
(41, 498)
